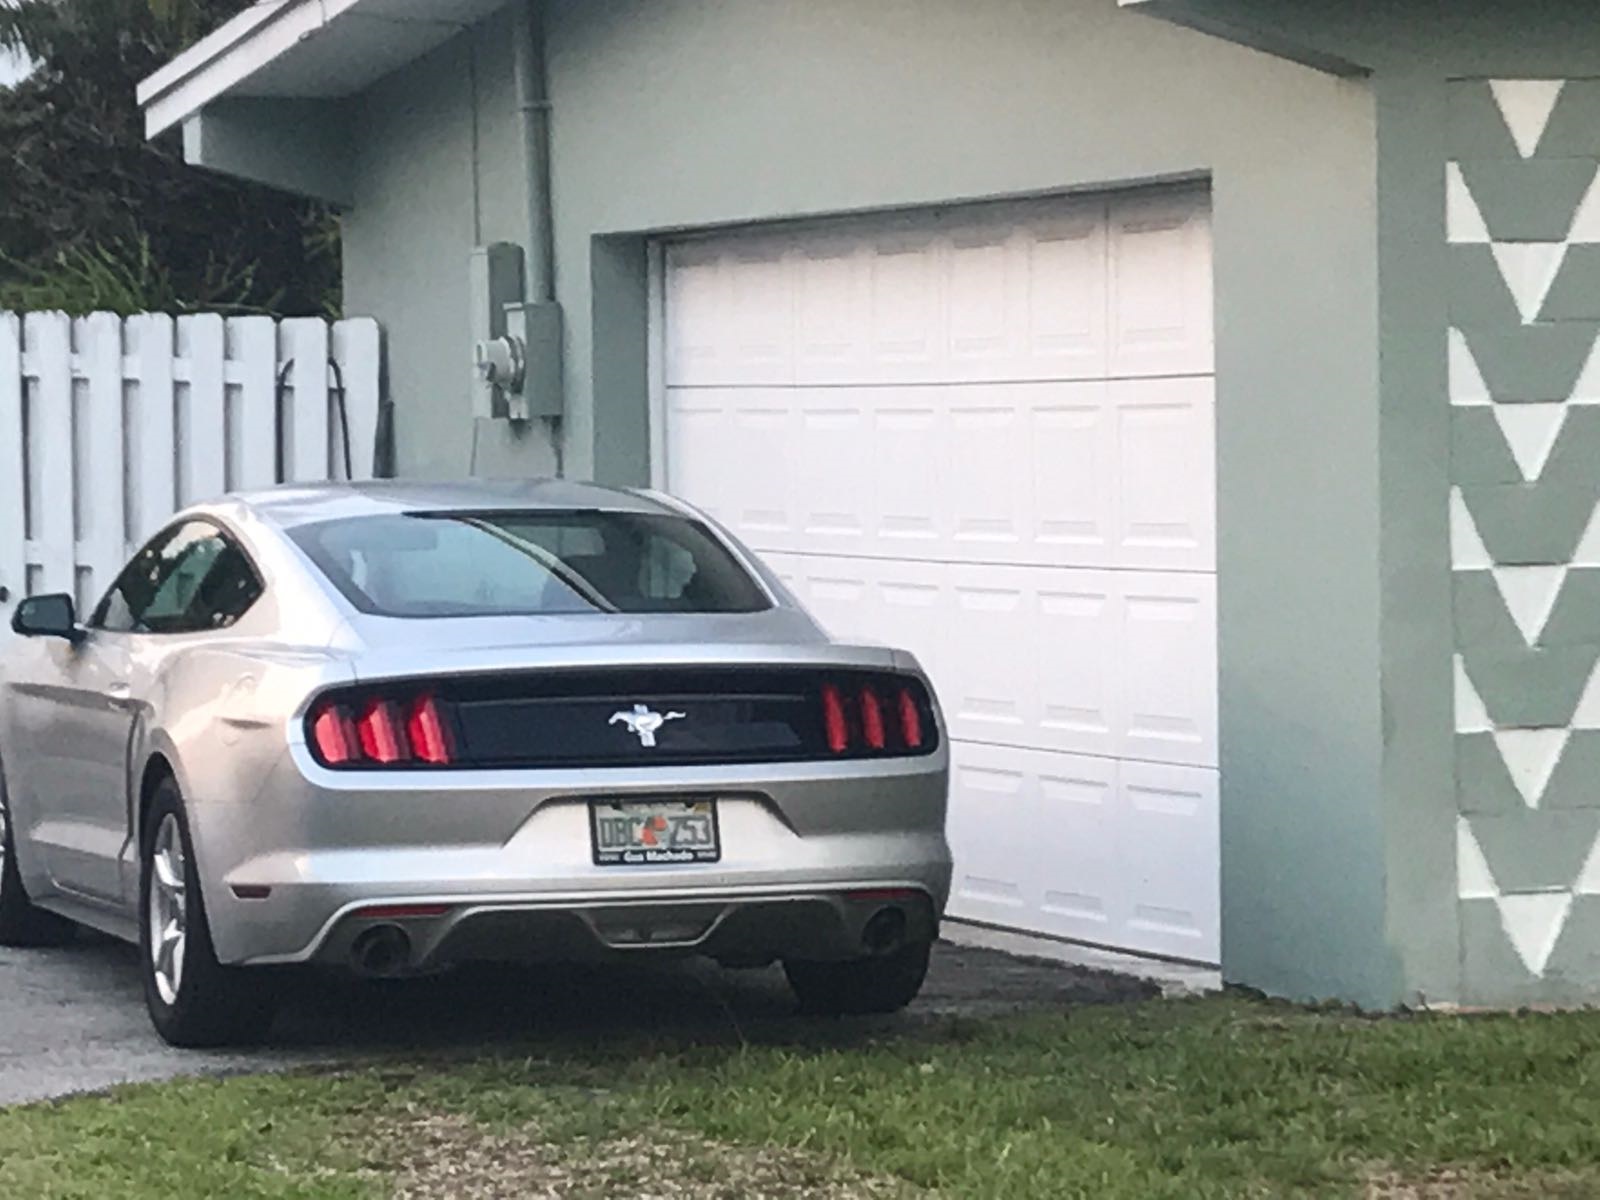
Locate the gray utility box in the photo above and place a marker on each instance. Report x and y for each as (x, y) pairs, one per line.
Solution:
(516, 343)
(538, 327)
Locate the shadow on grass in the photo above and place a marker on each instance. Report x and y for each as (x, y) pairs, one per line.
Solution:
(682, 1002)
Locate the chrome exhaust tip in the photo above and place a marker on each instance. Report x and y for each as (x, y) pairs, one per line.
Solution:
(381, 952)
(885, 931)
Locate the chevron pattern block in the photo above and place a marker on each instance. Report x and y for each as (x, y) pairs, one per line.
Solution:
(1522, 191)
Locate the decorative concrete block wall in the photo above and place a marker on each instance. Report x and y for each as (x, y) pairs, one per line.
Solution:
(1523, 206)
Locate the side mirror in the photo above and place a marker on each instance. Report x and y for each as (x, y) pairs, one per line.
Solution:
(47, 616)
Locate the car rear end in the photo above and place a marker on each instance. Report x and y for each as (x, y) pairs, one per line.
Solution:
(582, 732)
(790, 803)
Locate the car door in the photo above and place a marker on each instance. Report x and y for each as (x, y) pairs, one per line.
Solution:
(103, 687)
(209, 583)
(63, 698)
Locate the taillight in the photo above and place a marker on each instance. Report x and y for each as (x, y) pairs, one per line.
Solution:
(382, 739)
(880, 714)
(430, 736)
(333, 733)
(910, 720)
(382, 731)
(872, 719)
(833, 720)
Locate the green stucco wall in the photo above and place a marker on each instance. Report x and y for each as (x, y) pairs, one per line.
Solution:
(680, 114)
(1472, 694)
(1526, 616)
(1491, 802)
(438, 170)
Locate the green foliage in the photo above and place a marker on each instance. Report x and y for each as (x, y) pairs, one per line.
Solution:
(125, 279)
(93, 215)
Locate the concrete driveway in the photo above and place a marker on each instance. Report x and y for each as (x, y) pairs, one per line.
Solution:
(73, 1019)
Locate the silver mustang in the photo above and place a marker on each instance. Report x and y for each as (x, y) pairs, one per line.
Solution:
(393, 727)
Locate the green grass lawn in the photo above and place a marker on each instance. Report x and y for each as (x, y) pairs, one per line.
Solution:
(1222, 1096)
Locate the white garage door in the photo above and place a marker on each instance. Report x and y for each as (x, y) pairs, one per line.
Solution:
(987, 435)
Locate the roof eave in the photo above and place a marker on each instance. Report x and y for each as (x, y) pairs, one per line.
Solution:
(302, 50)
(1261, 26)
(220, 62)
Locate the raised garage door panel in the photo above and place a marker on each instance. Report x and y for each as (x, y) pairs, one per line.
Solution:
(1110, 473)
(988, 436)
(1113, 852)
(1112, 663)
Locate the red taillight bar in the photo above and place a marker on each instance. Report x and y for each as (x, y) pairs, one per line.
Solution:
(833, 719)
(872, 719)
(862, 895)
(382, 731)
(399, 912)
(910, 720)
(877, 715)
(382, 738)
(430, 736)
(334, 735)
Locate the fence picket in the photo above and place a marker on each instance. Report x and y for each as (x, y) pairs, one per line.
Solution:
(107, 427)
(309, 438)
(13, 468)
(356, 343)
(49, 420)
(203, 453)
(156, 453)
(101, 495)
(257, 428)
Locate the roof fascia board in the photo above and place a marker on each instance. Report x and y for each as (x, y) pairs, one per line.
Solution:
(229, 56)
(1234, 25)
(223, 38)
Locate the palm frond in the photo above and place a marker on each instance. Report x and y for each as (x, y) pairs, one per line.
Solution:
(32, 27)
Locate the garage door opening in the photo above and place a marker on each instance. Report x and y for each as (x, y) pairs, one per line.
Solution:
(988, 435)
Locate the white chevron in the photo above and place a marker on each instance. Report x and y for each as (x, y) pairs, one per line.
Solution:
(1534, 923)
(1463, 218)
(1530, 595)
(1474, 880)
(1588, 552)
(1587, 389)
(1530, 270)
(1471, 714)
(1587, 715)
(1586, 224)
(1531, 430)
(1531, 756)
(1526, 105)
(1467, 551)
(1589, 877)
(1466, 381)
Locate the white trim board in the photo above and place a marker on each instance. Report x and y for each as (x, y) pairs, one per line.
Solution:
(282, 48)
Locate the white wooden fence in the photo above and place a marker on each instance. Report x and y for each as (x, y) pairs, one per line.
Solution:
(109, 426)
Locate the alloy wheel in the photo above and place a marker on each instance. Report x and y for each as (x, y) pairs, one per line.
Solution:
(169, 909)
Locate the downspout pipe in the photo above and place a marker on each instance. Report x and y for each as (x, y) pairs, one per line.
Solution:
(533, 108)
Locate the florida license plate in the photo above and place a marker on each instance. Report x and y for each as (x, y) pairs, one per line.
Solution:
(639, 833)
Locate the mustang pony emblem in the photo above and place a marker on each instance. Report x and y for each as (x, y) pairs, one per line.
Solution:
(643, 723)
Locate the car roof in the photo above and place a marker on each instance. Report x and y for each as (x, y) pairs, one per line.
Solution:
(289, 505)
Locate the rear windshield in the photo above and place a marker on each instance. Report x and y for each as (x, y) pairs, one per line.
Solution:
(526, 563)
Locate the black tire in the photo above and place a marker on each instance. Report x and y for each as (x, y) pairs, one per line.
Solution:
(883, 984)
(22, 923)
(201, 1002)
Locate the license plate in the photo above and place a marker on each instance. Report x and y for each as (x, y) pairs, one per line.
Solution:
(639, 833)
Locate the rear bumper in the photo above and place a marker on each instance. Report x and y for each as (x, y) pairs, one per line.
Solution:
(740, 928)
(506, 858)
